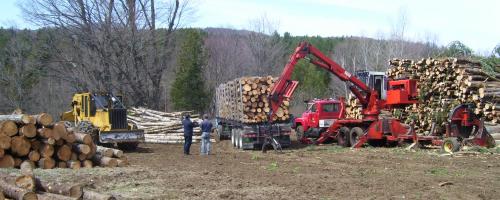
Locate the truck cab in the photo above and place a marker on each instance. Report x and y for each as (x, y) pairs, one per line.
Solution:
(320, 114)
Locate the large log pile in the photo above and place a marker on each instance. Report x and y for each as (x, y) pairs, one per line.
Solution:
(44, 143)
(245, 100)
(163, 127)
(28, 186)
(444, 84)
(353, 107)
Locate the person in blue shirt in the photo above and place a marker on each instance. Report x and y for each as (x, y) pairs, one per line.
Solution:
(188, 126)
(206, 129)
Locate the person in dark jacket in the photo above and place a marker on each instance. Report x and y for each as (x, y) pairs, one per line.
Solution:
(206, 129)
(188, 133)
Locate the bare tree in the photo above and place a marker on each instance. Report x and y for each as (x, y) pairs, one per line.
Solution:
(113, 45)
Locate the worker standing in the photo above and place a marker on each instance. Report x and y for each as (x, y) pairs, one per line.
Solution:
(206, 128)
(188, 126)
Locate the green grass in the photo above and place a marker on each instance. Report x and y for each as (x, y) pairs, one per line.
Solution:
(255, 156)
(273, 166)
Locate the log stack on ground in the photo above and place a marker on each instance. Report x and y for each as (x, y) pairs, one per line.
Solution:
(46, 144)
(245, 100)
(163, 127)
(28, 186)
(444, 84)
(353, 108)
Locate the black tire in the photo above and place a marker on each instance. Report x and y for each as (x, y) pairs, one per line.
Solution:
(342, 137)
(450, 145)
(233, 137)
(128, 146)
(299, 132)
(354, 135)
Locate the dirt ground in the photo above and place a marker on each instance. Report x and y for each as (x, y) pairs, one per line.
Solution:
(316, 172)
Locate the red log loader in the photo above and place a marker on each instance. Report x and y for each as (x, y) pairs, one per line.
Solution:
(463, 126)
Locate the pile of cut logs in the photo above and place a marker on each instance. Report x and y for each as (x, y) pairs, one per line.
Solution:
(353, 107)
(162, 127)
(444, 84)
(245, 100)
(45, 144)
(29, 187)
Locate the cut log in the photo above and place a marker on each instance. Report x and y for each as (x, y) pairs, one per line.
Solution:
(7, 161)
(67, 189)
(91, 195)
(74, 164)
(83, 138)
(59, 130)
(51, 196)
(5, 141)
(107, 152)
(70, 138)
(20, 146)
(46, 150)
(64, 152)
(2, 152)
(46, 163)
(16, 192)
(26, 182)
(43, 119)
(28, 130)
(104, 161)
(122, 163)
(8, 128)
(45, 133)
(18, 118)
(34, 155)
(62, 164)
(87, 164)
(27, 167)
(82, 148)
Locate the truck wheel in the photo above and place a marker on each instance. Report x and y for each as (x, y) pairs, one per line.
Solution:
(299, 132)
(240, 139)
(233, 138)
(354, 135)
(450, 145)
(342, 137)
(128, 146)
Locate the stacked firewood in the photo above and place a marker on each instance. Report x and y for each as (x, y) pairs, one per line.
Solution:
(353, 107)
(444, 84)
(245, 100)
(163, 127)
(28, 186)
(45, 144)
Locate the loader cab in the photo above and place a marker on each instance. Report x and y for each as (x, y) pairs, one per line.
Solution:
(375, 80)
(320, 114)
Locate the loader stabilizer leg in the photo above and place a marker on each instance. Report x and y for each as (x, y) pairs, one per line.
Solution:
(482, 137)
(361, 140)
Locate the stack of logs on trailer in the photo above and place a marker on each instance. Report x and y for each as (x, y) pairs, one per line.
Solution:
(47, 144)
(245, 100)
(444, 84)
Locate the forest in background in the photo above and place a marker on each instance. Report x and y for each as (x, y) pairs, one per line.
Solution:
(140, 49)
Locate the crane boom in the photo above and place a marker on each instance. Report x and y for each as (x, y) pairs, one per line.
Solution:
(284, 86)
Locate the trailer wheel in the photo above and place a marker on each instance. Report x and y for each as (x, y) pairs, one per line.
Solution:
(342, 137)
(354, 135)
(233, 139)
(239, 139)
(450, 145)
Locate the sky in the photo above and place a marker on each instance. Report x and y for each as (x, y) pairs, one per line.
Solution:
(476, 23)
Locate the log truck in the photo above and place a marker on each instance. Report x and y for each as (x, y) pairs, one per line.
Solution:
(105, 117)
(463, 126)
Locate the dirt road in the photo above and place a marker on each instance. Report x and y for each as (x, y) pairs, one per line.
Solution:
(316, 172)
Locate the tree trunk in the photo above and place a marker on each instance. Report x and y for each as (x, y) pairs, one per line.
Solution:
(28, 130)
(43, 119)
(21, 119)
(82, 148)
(7, 161)
(5, 141)
(46, 150)
(51, 196)
(20, 146)
(16, 192)
(26, 182)
(8, 128)
(64, 152)
(27, 167)
(91, 195)
(71, 190)
(83, 138)
(107, 152)
(105, 161)
(74, 164)
(87, 164)
(46, 163)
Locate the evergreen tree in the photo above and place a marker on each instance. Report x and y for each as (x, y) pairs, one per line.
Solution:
(188, 90)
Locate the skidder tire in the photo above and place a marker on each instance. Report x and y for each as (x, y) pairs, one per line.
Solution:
(342, 137)
(128, 146)
(354, 135)
(450, 145)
